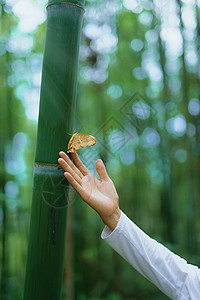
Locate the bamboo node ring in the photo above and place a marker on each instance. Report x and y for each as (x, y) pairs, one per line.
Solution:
(47, 165)
(65, 2)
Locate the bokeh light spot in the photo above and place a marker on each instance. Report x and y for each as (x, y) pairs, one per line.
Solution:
(137, 45)
(114, 91)
(11, 189)
(127, 156)
(141, 110)
(180, 155)
(177, 125)
(151, 137)
(145, 18)
(194, 106)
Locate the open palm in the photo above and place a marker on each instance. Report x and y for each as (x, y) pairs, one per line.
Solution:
(101, 194)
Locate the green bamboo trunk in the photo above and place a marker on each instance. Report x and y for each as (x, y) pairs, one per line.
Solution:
(45, 262)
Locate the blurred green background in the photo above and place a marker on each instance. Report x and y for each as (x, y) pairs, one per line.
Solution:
(138, 93)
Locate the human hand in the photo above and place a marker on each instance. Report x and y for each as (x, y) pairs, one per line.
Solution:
(101, 195)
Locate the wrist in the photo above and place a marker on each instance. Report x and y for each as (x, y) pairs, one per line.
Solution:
(113, 220)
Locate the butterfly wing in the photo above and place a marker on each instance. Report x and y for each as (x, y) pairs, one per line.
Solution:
(87, 140)
(74, 143)
(80, 140)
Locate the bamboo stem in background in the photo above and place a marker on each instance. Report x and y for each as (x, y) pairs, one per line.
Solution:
(45, 262)
(6, 135)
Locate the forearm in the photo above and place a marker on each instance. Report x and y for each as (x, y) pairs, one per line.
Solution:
(170, 273)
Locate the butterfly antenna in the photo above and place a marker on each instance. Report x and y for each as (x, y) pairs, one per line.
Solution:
(68, 133)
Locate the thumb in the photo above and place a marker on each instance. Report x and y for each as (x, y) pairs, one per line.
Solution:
(101, 170)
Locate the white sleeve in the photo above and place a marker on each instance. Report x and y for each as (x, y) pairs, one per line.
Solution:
(169, 272)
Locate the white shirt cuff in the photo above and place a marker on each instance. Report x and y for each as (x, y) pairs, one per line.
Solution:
(108, 234)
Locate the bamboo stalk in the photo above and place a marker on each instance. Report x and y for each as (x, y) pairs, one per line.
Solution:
(45, 262)
(6, 135)
(192, 203)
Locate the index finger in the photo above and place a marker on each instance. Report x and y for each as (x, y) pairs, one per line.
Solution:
(70, 163)
(78, 163)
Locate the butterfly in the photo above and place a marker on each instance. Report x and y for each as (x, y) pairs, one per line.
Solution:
(80, 140)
